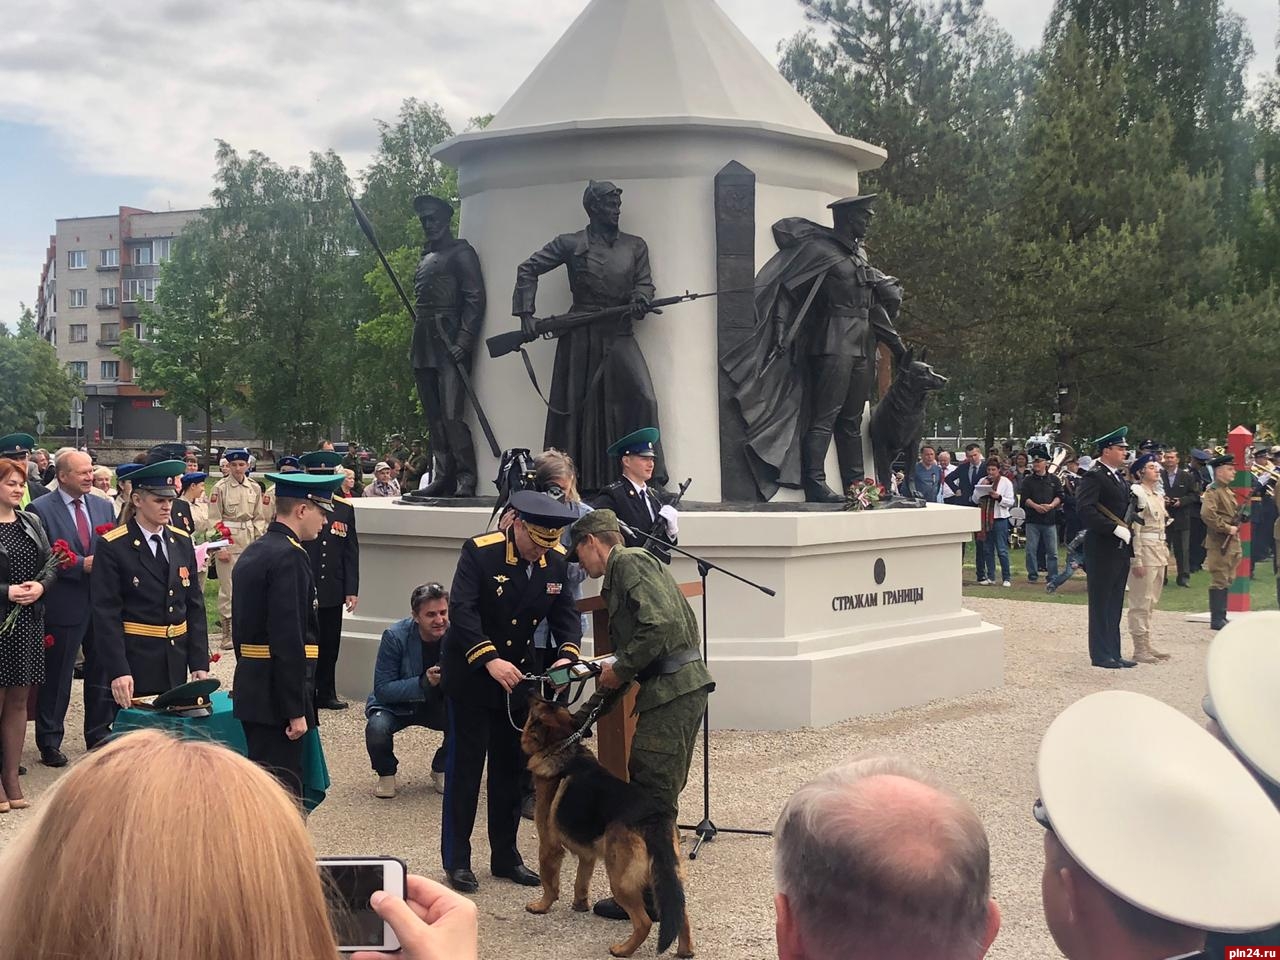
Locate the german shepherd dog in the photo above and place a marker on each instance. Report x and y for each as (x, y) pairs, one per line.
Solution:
(897, 421)
(584, 809)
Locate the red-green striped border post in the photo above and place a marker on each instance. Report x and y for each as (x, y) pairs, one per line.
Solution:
(1239, 442)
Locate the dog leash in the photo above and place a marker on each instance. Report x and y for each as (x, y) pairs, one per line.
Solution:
(541, 678)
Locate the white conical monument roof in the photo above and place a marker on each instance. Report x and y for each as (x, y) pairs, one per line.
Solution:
(626, 63)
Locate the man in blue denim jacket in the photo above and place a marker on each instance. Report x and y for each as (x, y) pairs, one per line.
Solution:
(406, 686)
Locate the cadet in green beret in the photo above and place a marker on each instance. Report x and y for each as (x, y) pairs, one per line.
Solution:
(655, 639)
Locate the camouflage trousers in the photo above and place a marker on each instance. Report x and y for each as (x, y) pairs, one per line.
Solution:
(662, 750)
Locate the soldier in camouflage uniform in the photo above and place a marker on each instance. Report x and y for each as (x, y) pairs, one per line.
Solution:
(655, 639)
(1221, 516)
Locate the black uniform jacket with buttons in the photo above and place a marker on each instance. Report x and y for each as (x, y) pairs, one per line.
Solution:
(148, 614)
(622, 499)
(275, 628)
(496, 602)
(335, 556)
(181, 516)
(1102, 498)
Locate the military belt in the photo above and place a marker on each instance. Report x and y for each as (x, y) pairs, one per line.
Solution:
(151, 630)
(665, 665)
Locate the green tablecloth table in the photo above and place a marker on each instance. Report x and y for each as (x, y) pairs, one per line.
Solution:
(221, 727)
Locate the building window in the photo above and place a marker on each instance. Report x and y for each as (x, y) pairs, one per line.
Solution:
(135, 290)
(79, 298)
(109, 257)
(142, 255)
(110, 369)
(108, 296)
(161, 249)
(79, 369)
(110, 333)
(142, 331)
(77, 259)
(79, 332)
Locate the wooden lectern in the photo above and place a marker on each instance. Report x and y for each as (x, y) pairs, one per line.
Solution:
(616, 728)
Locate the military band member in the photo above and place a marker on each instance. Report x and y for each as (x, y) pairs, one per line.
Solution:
(1150, 555)
(335, 564)
(18, 446)
(1103, 502)
(506, 583)
(275, 628)
(148, 611)
(1221, 516)
(655, 639)
(241, 503)
(636, 503)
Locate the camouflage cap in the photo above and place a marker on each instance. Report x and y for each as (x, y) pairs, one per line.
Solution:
(595, 522)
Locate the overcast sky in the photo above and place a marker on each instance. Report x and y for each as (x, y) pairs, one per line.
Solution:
(103, 105)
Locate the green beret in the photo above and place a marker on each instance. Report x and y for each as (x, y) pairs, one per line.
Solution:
(594, 523)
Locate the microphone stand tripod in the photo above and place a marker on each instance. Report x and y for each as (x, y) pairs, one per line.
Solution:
(705, 830)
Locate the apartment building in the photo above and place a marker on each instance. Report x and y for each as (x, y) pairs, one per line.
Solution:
(97, 275)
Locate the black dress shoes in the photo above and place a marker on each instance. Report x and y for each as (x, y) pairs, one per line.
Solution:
(332, 703)
(53, 757)
(462, 880)
(520, 874)
(610, 910)
(1108, 664)
(1127, 663)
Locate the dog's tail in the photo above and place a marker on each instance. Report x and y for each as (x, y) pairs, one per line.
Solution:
(659, 840)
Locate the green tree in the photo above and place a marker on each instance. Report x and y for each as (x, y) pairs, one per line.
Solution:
(191, 351)
(33, 379)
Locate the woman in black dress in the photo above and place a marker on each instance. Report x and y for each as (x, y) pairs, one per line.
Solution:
(24, 552)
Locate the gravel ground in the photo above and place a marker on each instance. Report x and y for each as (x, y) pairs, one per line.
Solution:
(984, 745)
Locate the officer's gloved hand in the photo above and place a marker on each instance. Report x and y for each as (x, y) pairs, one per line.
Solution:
(1122, 533)
(672, 517)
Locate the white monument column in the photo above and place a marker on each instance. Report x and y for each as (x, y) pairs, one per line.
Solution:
(656, 96)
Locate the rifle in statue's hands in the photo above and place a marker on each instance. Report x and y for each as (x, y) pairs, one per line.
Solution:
(552, 327)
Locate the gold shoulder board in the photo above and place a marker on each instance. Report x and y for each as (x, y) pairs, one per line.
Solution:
(115, 533)
(489, 539)
(179, 530)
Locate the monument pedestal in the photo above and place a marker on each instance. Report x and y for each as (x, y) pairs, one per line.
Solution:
(868, 615)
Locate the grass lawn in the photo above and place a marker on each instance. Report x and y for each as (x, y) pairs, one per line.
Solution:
(1194, 599)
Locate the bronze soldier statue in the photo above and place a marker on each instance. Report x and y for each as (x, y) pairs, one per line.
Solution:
(806, 374)
(450, 302)
(600, 385)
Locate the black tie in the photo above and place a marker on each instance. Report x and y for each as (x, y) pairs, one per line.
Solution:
(159, 548)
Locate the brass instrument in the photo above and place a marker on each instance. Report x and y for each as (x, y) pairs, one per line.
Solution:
(1265, 474)
(1059, 454)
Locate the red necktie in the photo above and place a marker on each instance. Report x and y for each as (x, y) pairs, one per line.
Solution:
(82, 525)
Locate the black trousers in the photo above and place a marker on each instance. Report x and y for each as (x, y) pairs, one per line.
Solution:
(1108, 565)
(271, 748)
(474, 734)
(55, 693)
(330, 639)
(835, 390)
(1180, 543)
(444, 402)
(1198, 552)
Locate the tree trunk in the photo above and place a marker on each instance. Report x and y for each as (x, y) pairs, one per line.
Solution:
(208, 440)
(1067, 401)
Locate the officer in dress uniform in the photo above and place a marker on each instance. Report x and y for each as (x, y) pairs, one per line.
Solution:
(242, 504)
(276, 628)
(1221, 516)
(506, 583)
(633, 500)
(18, 446)
(335, 564)
(1103, 503)
(148, 612)
(1154, 833)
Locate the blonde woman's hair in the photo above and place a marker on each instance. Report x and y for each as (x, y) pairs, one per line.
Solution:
(556, 466)
(154, 848)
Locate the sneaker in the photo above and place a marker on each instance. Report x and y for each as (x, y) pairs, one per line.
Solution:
(1006, 584)
(1050, 588)
(437, 781)
(986, 583)
(386, 788)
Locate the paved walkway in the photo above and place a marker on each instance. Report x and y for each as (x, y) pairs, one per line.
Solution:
(984, 745)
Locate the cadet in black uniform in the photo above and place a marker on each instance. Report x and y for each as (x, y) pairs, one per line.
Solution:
(148, 610)
(637, 504)
(335, 564)
(1102, 501)
(273, 611)
(504, 586)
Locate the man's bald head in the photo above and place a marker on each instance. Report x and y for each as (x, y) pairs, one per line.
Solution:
(75, 471)
(874, 860)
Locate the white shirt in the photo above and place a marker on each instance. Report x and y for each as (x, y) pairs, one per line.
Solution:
(71, 510)
(641, 492)
(148, 534)
(1003, 487)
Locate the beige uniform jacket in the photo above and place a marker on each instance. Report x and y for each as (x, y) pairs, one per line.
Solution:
(1150, 548)
(243, 507)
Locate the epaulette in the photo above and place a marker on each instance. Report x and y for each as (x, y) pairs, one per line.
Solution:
(341, 499)
(179, 530)
(560, 549)
(489, 539)
(296, 543)
(115, 533)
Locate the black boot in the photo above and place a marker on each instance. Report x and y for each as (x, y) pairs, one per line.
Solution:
(813, 451)
(1217, 609)
(443, 486)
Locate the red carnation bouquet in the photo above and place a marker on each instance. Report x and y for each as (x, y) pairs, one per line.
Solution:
(219, 531)
(61, 557)
(102, 528)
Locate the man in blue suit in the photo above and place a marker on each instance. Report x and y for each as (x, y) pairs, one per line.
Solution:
(958, 485)
(72, 514)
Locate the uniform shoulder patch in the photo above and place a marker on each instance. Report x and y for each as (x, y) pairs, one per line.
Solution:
(179, 530)
(341, 499)
(560, 549)
(115, 533)
(489, 539)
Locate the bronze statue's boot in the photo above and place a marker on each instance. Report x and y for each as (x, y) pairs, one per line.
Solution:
(466, 485)
(1142, 650)
(443, 486)
(813, 451)
(817, 491)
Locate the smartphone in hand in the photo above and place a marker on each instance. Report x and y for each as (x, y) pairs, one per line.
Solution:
(348, 883)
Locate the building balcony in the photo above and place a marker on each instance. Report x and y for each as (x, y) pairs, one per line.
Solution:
(129, 311)
(115, 268)
(108, 344)
(108, 306)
